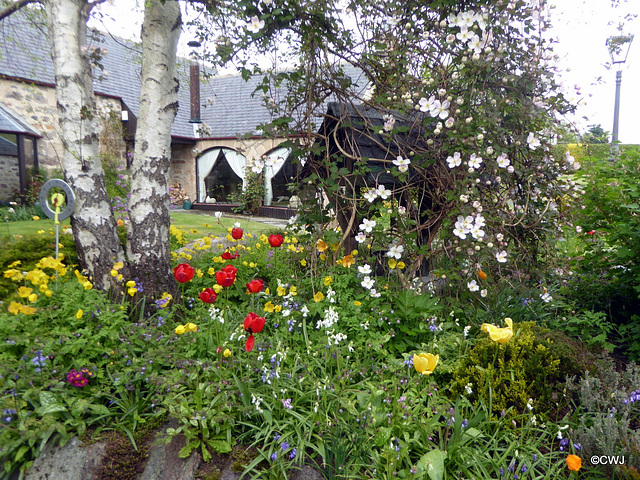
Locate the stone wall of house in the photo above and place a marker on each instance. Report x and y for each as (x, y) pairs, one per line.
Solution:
(10, 178)
(36, 105)
(183, 161)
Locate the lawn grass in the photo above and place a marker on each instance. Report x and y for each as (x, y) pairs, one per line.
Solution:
(195, 225)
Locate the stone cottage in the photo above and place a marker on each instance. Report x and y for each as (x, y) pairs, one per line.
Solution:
(214, 136)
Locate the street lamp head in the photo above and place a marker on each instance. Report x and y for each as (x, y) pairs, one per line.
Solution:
(618, 46)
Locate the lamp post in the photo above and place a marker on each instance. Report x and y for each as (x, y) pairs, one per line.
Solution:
(618, 47)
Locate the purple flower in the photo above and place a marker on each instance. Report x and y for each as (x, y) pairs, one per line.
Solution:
(285, 446)
(293, 453)
(274, 456)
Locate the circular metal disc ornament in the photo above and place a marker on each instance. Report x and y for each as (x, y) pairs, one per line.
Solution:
(70, 199)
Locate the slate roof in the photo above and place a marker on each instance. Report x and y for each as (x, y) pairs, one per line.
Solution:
(228, 107)
(8, 148)
(12, 123)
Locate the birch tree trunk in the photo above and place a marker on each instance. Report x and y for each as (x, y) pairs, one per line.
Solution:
(94, 226)
(148, 246)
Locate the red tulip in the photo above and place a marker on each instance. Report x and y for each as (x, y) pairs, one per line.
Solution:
(236, 233)
(591, 232)
(253, 323)
(251, 340)
(183, 273)
(231, 270)
(208, 295)
(224, 278)
(275, 240)
(228, 256)
(256, 285)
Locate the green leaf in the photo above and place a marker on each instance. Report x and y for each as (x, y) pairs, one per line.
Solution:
(433, 464)
(219, 446)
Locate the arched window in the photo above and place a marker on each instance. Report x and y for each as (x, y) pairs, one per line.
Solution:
(220, 174)
(280, 170)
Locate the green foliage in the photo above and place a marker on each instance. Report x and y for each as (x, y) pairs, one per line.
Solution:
(592, 328)
(596, 134)
(606, 413)
(514, 374)
(28, 250)
(251, 197)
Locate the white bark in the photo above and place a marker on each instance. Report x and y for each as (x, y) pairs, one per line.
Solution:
(148, 246)
(93, 223)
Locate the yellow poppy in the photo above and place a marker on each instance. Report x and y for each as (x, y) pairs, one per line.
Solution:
(347, 261)
(321, 245)
(392, 263)
(497, 334)
(401, 265)
(318, 297)
(327, 281)
(24, 292)
(303, 262)
(14, 308)
(191, 327)
(180, 330)
(79, 314)
(425, 363)
(227, 352)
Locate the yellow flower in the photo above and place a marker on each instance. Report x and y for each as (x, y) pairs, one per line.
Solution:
(48, 293)
(318, 297)
(211, 271)
(264, 238)
(40, 232)
(14, 264)
(357, 303)
(293, 291)
(28, 310)
(13, 274)
(131, 283)
(267, 291)
(497, 334)
(268, 307)
(132, 291)
(425, 363)
(574, 463)
(218, 288)
(323, 257)
(191, 327)
(354, 253)
(36, 217)
(282, 291)
(321, 245)
(164, 301)
(245, 263)
(79, 314)
(24, 292)
(392, 263)
(347, 261)
(180, 330)
(227, 352)
(14, 308)
(327, 281)
(278, 308)
(303, 262)
(33, 297)
(87, 285)
(253, 264)
(199, 273)
(114, 272)
(401, 265)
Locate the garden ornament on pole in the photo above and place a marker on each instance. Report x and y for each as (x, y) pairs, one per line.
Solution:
(618, 47)
(52, 205)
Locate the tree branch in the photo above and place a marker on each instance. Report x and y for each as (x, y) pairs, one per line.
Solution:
(14, 7)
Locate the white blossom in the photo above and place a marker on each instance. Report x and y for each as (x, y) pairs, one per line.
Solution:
(256, 24)
(501, 257)
(454, 160)
(367, 225)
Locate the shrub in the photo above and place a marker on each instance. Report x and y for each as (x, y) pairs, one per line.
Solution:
(516, 375)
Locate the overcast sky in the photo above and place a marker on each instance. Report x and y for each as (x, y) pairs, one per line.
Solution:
(582, 28)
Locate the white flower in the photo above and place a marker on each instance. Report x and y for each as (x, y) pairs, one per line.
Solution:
(258, 166)
(545, 297)
(374, 293)
(501, 257)
(256, 24)
(475, 161)
(367, 225)
(503, 161)
(361, 237)
(464, 34)
(367, 282)
(465, 331)
(304, 310)
(395, 251)
(426, 105)
(499, 237)
(477, 232)
(365, 269)
(473, 286)
(402, 210)
(218, 214)
(402, 163)
(449, 122)
(383, 192)
(578, 229)
(467, 387)
(454, 160)
(484, 293)
(440, 109)
(371, 195)
(533, 141)
(464, 198)
(389, 122)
